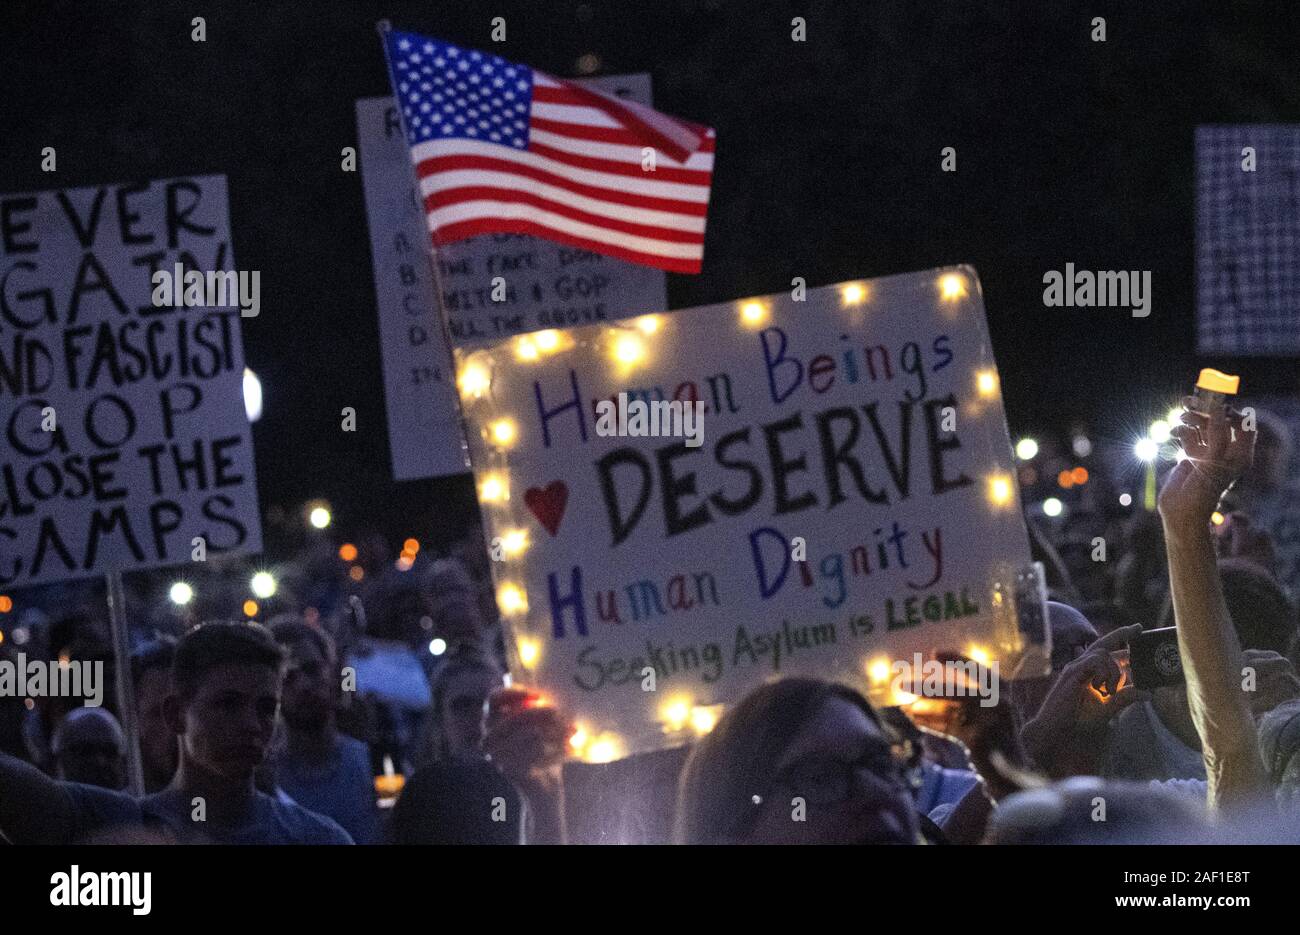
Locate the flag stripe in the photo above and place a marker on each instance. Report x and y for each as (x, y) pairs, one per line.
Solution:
(665, 196)
(577, 131)
(468, 210)
(698, 168)
(610, 166)
(454, 180)
(482, 193)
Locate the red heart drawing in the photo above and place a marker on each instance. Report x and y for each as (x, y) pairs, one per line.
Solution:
(548, 503)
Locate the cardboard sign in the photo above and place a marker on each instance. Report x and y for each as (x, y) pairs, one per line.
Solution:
(126, 438)
(1247, 227)
(847, 500)
(492, 286)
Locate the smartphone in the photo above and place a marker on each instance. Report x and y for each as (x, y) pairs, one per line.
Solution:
(1154, 661)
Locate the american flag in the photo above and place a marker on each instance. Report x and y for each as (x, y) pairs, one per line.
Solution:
(501, 148)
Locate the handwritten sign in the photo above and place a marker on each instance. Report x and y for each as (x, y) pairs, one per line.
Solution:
(492, 286)
(126, 440)
(847, 500)
(1247, 228)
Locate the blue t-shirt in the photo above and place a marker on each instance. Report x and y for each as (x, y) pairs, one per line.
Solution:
(170, 813)
(342, 788)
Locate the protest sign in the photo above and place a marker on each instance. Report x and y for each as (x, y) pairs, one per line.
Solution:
(833, 492)
(1247, 228)
(126, 442)
(492, 286)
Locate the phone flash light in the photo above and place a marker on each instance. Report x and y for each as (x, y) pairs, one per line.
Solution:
(1218, 382)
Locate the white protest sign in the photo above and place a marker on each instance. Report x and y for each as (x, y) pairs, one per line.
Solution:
(536, 283)
(125, 435)
(847, 500)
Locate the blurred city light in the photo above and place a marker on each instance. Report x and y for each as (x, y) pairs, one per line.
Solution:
(1053, 506)
(1026, 449)
(181, 593)
(1146, 449)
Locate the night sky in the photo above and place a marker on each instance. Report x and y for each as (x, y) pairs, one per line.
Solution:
(828, 167)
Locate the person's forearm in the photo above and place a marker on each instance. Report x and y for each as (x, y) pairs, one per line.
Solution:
(1211, 659)
(33, 807)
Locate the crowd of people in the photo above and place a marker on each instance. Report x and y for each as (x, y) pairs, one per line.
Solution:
(369, 704)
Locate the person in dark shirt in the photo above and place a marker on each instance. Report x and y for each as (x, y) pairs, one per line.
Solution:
(225, 693)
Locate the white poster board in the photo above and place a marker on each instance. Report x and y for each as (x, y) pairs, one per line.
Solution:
(546, 285)
(864, 419)
(125, 434)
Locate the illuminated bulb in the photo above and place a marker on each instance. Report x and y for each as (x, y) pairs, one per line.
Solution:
(411, 545)
(648, 324)
(1081, 445)
(1080, 476)
(474, 380)
(6, 603)
(753, 313)
(250, 608)
(952, 286)
(1053, 506)
(263, 585)
(703, 720)
(511, 599)
(515, 541)
(1125, 499)
(628, 349)
(604, 749)
(526, 349)
(437, 646)
(529, 650)
(404, 562)
(1159, 431)
(1026, 449)
(676, 713)
(986, 381)
(356, 572)
(878, 671)
(999, 490)
(1146, 449)
(547, 340)
(1216, 518)
(181, 593)
(978, 653)
(493, 489)
(319, 517)
(1175, 416)
(853, 293)
(348, 552)
(579, 739)
(503, 431)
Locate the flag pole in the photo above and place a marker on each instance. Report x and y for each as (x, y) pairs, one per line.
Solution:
(384, 27)
(125, 688)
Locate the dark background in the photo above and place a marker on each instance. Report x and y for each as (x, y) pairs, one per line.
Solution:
(828, 167)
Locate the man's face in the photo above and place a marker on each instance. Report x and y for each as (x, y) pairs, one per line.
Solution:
(92, 754)
(462, 710)
(308, 686)
(226, 727)
(157, 741)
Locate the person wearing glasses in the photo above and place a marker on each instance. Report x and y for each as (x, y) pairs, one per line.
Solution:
(800, 761)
